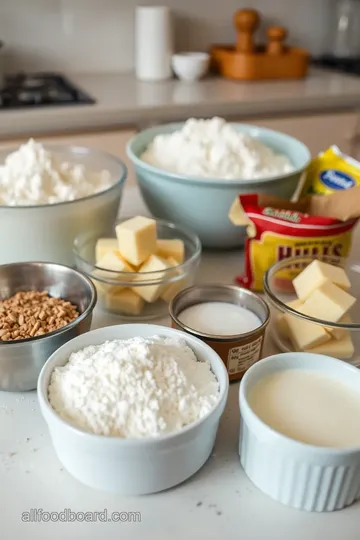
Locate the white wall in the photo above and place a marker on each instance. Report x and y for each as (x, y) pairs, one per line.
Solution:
(97, 35)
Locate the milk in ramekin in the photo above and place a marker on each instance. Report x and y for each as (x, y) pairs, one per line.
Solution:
(311, 477)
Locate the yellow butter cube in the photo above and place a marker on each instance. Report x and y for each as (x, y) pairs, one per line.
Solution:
(172, 248)
(119, 268)
(99, 279)
(103, 245)
(339, 348)
(304, 334)
(282, 325)
(151, 293)
(281, 321)
(171, 290)
(101, 286)
(339, 333)
(294, 304)
(171, 261)
(136, 239)
(125, 301)
(317, 274)
(329, 302)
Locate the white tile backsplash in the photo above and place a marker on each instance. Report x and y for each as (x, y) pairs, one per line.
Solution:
(97, 35)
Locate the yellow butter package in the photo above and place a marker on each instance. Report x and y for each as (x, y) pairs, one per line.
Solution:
(275, 234)
(330, 172)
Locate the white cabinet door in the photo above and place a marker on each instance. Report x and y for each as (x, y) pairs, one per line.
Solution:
(113, 142)
(318, 132)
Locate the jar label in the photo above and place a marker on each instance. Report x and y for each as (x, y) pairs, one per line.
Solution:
(241, 358)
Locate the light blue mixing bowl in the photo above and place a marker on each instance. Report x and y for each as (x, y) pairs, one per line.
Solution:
(203, 204)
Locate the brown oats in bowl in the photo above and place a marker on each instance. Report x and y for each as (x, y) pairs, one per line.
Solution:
(29, 314)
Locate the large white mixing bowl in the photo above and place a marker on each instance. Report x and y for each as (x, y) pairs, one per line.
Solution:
(47, 232)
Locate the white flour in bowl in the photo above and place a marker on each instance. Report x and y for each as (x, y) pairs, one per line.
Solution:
(33, 176)
(214, 149)
(133, 388)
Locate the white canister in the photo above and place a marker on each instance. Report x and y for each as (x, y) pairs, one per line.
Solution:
(153, 43)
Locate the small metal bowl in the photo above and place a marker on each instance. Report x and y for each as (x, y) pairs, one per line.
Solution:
(21, 361)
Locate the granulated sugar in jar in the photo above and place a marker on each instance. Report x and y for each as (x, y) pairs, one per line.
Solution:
(230, 319)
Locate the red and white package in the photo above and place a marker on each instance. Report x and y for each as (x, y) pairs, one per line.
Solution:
(276, 233)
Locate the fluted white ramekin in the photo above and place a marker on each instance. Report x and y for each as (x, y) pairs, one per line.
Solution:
(306, 477)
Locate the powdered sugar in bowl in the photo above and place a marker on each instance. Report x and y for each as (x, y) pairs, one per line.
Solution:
(145, 447)
(48, 195)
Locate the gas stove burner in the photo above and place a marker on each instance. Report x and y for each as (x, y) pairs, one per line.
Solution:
(40, 89)
(32, 82)
(58, 95)
(33, 97)
(343, 65)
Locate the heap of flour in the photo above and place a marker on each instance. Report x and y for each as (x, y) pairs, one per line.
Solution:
(133, 388)
(32, 175)
(214, 149)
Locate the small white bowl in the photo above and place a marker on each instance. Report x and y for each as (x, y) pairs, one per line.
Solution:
(132, 466)
(190, 66)
(303, 476)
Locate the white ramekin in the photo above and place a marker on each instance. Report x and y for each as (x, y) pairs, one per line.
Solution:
(132, 466)
(190, 66)
(306, 477)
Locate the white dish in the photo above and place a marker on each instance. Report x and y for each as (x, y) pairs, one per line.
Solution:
(190, 66)
(139, 466)
(306, 477)
(46, 232)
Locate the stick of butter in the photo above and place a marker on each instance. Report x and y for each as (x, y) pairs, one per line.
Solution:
(151, 293)
(113, 261)
(136, 239)
(304, 334)
(172, 248)
(317, 274)
(338, 333)
(104, 288)
(282, 325)
(281, 321)
(103, 245)
(339, 348)
(295, 304)
(125, 301)
(175, 287)
(328, 302)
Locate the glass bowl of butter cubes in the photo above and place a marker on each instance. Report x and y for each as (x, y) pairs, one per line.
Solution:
(315, 307)
(139, 265)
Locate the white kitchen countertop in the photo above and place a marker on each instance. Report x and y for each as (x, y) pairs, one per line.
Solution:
(124, 101)
(217, 502)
